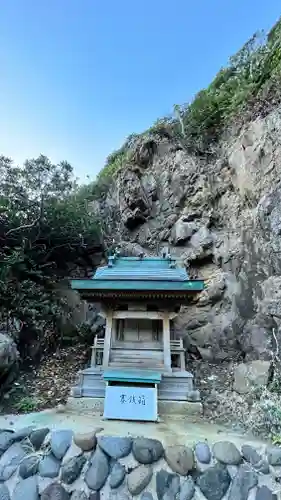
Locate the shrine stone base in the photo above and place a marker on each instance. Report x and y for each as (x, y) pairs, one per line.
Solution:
(94, 406)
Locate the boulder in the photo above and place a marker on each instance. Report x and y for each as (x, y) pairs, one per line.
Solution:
(180, 459)
(71, 470)
(117, 475)
(139, 478)
(252, 374)
(98, 471)
(167, 484)
(203, 453)
(49, 466)
(60, 442)
(55, 491)
(115, 447)
(227, 453)
(214, 482)
(243, 482)
(147, 451)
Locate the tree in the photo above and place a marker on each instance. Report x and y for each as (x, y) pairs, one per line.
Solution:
(46, 230)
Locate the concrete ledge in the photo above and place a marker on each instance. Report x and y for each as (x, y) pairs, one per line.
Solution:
(94, 406)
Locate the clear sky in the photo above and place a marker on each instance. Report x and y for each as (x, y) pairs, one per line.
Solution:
(78, 76)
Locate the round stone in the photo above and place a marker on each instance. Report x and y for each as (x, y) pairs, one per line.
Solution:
(262, 467)
(214, 482)
(4, 492)
(23, 433)
(138, 479)
(250, 454)
(6, 439)
(273, 455)
(147, 451)
(27, 489)
(28, 467)
(71, 470)
(167, 484)
(37, 437)
(49, 466)
(264, 493)
(227, 453)
(87, 441)
(203, 453)
(60, 442)
(55, 491)
(117, 475)
(115, 447)
(146, 496)
(180, 459)
(187, 489)
(98, 471)
(79, 495)
(245, 479)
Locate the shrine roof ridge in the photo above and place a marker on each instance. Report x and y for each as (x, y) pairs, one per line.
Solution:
(141, 268)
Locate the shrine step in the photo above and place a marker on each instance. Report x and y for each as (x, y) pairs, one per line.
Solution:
(136, 364)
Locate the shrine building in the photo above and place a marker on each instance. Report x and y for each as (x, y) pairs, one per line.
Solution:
(139, 297)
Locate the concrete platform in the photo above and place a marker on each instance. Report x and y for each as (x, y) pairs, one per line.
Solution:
(94, 406)
(171, 430)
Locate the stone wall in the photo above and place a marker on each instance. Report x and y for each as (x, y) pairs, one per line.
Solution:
(60, 465)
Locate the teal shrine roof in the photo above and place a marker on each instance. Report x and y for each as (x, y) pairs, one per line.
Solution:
(144, 274)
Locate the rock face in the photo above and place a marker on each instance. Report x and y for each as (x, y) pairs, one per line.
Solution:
(246, 375)
(221, 216)
(9, 357)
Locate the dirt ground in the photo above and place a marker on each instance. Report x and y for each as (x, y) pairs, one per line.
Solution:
(49, 384)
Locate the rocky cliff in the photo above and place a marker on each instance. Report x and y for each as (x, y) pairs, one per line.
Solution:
(222, 217)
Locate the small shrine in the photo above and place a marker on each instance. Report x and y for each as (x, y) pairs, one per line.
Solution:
(139, 366)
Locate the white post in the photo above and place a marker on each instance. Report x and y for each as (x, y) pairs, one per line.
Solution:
(107, 339)
(166, 343)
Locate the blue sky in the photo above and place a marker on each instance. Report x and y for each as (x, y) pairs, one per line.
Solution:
(78, 76)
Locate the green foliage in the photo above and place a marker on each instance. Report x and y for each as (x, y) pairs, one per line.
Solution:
(46, 230)
(27, 404)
